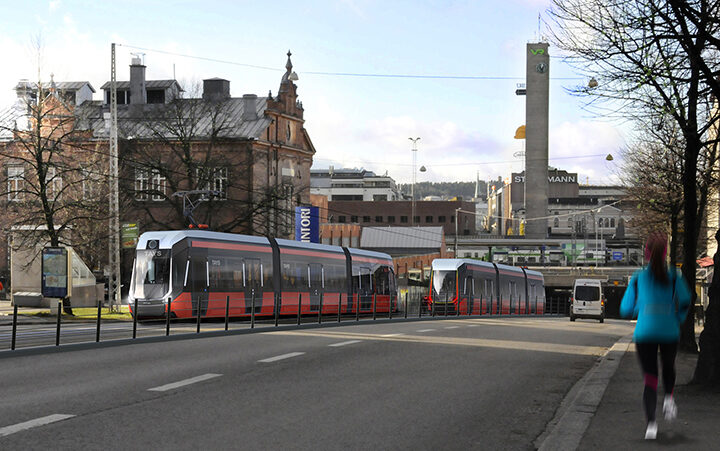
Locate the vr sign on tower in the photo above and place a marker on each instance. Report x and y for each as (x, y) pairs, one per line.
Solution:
(307, 224)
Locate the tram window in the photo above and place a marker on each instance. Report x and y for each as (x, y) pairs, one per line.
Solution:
(179, 266)
(382, 280)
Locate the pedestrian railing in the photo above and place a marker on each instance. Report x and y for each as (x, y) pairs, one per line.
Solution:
(84, 325)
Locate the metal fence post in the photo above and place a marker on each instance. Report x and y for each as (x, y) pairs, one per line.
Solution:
(299, 307)
(275, 307)
(99, 315)
(252, 309)
(446, 304)
(14, 326)
(357, 308)
(199, 307)
(167, 319)
(227, 312)
(406, 303)
(135, 317)
(339, 305)
(320, 309)
(57, 335)
(374, 299)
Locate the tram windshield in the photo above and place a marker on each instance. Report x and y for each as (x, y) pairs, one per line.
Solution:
(444, 284)
(152, 274)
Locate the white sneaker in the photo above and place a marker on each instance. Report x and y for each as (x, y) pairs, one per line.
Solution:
(669, 408)
(651, 431)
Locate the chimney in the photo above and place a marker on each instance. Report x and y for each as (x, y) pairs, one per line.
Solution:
(249, 107)
(138, 93)
(216, 89)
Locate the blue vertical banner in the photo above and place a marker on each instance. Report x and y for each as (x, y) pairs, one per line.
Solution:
(307, 224)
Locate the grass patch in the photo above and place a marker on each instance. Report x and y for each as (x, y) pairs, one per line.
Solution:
(84, 313)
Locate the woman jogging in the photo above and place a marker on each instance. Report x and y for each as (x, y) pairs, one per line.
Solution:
(659, 298)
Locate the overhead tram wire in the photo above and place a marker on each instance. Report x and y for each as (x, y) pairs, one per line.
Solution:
(342, 74)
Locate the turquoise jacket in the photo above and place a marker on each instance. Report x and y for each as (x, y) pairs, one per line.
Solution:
(658, 315)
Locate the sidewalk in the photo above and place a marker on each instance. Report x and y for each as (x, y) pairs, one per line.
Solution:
(619, 422)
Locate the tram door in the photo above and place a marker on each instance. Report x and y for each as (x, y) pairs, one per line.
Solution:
(365, 290)
(469, 294)
(253, 285)
(199, 283)
(316, 285)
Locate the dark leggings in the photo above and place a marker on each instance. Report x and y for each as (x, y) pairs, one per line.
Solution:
(647, 353)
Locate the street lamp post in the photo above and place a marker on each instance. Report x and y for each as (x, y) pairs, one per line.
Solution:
(457, 219)
(414, 177)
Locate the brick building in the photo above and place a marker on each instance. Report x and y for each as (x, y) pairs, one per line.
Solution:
(252, 151)
(398, 214)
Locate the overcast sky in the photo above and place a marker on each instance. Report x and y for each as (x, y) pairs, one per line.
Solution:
(466, 126)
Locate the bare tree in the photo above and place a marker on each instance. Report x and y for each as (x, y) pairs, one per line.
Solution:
(652, 58)
(52, 178)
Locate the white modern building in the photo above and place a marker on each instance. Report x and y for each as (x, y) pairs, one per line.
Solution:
(353, 184)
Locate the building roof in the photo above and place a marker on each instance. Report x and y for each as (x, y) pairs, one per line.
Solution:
(401, 237)
(59, 85)
(149, 84)
(149, 121)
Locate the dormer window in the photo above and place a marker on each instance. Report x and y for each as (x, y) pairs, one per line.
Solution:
(123, 97)
(155, 96)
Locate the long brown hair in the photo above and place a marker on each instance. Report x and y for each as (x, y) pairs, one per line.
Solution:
(656, 249)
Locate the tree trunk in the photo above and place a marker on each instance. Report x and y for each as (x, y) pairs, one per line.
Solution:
(687, 329)
(707, 371)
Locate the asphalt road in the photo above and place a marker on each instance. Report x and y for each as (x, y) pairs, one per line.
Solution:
(480, 383)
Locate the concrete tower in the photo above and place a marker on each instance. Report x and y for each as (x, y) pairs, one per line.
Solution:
(536, 139)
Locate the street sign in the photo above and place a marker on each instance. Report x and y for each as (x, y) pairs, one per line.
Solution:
(54, 272)
(307, 224)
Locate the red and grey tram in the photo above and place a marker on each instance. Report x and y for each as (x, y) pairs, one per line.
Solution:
(474, 287)
(215, 272)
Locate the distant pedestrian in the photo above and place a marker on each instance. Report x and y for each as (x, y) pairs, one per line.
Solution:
(659, 298)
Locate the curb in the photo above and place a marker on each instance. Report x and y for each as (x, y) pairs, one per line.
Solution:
(566, 429)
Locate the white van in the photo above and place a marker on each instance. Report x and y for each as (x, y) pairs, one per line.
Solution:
(587, 300)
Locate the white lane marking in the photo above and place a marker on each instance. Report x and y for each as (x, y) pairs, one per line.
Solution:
(344, 343)
(182, 383)
(472, 325)
(452, 327)
(281, 357)
(391, 335)
(7, 430)
(426, 330)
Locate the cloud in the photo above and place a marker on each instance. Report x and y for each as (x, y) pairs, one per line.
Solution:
(53, 5)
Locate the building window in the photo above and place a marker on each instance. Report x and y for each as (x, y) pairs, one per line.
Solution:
(556, 222)
(612, 222)
(341, 219)
(142, 181)
(391, 219)
(53, 183)
(570, 223)
(354, 219)
(16, 182)
(213, 179)
(155, 96)
(378, 219)
(442, 219)
(404, 219)
(607, 222)
(428, 219)
(416, 219)
(379, 197)
(158, 186)
(366, 218)
(452, 219)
